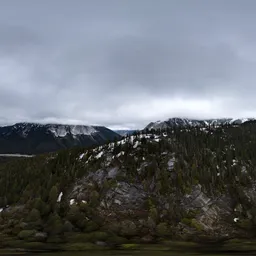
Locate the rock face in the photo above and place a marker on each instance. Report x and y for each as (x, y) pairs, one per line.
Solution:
(32, 138)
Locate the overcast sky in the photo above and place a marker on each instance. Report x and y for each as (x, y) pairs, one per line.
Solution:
(124, 63)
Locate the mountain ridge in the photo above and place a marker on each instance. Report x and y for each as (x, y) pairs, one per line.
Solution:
(187, 122)
(34, 138)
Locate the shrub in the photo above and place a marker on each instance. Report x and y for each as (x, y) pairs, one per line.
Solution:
(97, 236)
(12, 243)
(162, 229)
(153, 213)
(245, 224)
(116, 240)
(91, 226)
(79, 246)
(74, 214)
(77, 238)
(25, 234)
(68, 227)
(130, 246)
(34, 246)
(34, 216)
(128, 228)
(196, 225)
(186, 221)
(54, 239)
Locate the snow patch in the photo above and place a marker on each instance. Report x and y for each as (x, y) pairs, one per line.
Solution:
(72, 201)
(63, 130)
(136, 144)
(82, 130)
(120, 154)
(171, 163)
(244, 169)
(81, 156)
(59, 197)
(16, 155)
(99, 155)
(236, 219)
(59, 131)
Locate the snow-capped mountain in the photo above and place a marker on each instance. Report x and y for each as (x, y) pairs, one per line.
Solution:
(58, 130)
(185, 122)
(33, 138)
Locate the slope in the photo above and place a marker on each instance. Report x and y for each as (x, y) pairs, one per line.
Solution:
(194, 184)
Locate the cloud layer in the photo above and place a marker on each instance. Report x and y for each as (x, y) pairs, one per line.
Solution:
(125, 63)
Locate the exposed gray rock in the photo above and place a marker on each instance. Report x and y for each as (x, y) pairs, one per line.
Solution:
(171, 163)
(113, 172)
(126, 195)
(41, 236)
(100, 243)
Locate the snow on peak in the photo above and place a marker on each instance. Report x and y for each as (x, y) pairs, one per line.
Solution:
(80, 129)
(185, 122)
(58, 131)
(74, 130)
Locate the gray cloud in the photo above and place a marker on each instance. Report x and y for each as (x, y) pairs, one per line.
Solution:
(126, 63)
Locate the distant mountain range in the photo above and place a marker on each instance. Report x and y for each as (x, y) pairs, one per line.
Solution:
(33, 138)
(184, 122)
(125, 132)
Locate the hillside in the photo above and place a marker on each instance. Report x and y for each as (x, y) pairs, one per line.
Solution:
(194, 184)
(32, 138)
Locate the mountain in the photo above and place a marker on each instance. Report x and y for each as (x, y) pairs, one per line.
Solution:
(125, 132)
(184, 122)
(33, 138)
(152, 187)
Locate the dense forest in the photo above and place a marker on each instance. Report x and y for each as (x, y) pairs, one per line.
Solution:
(194, 184)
